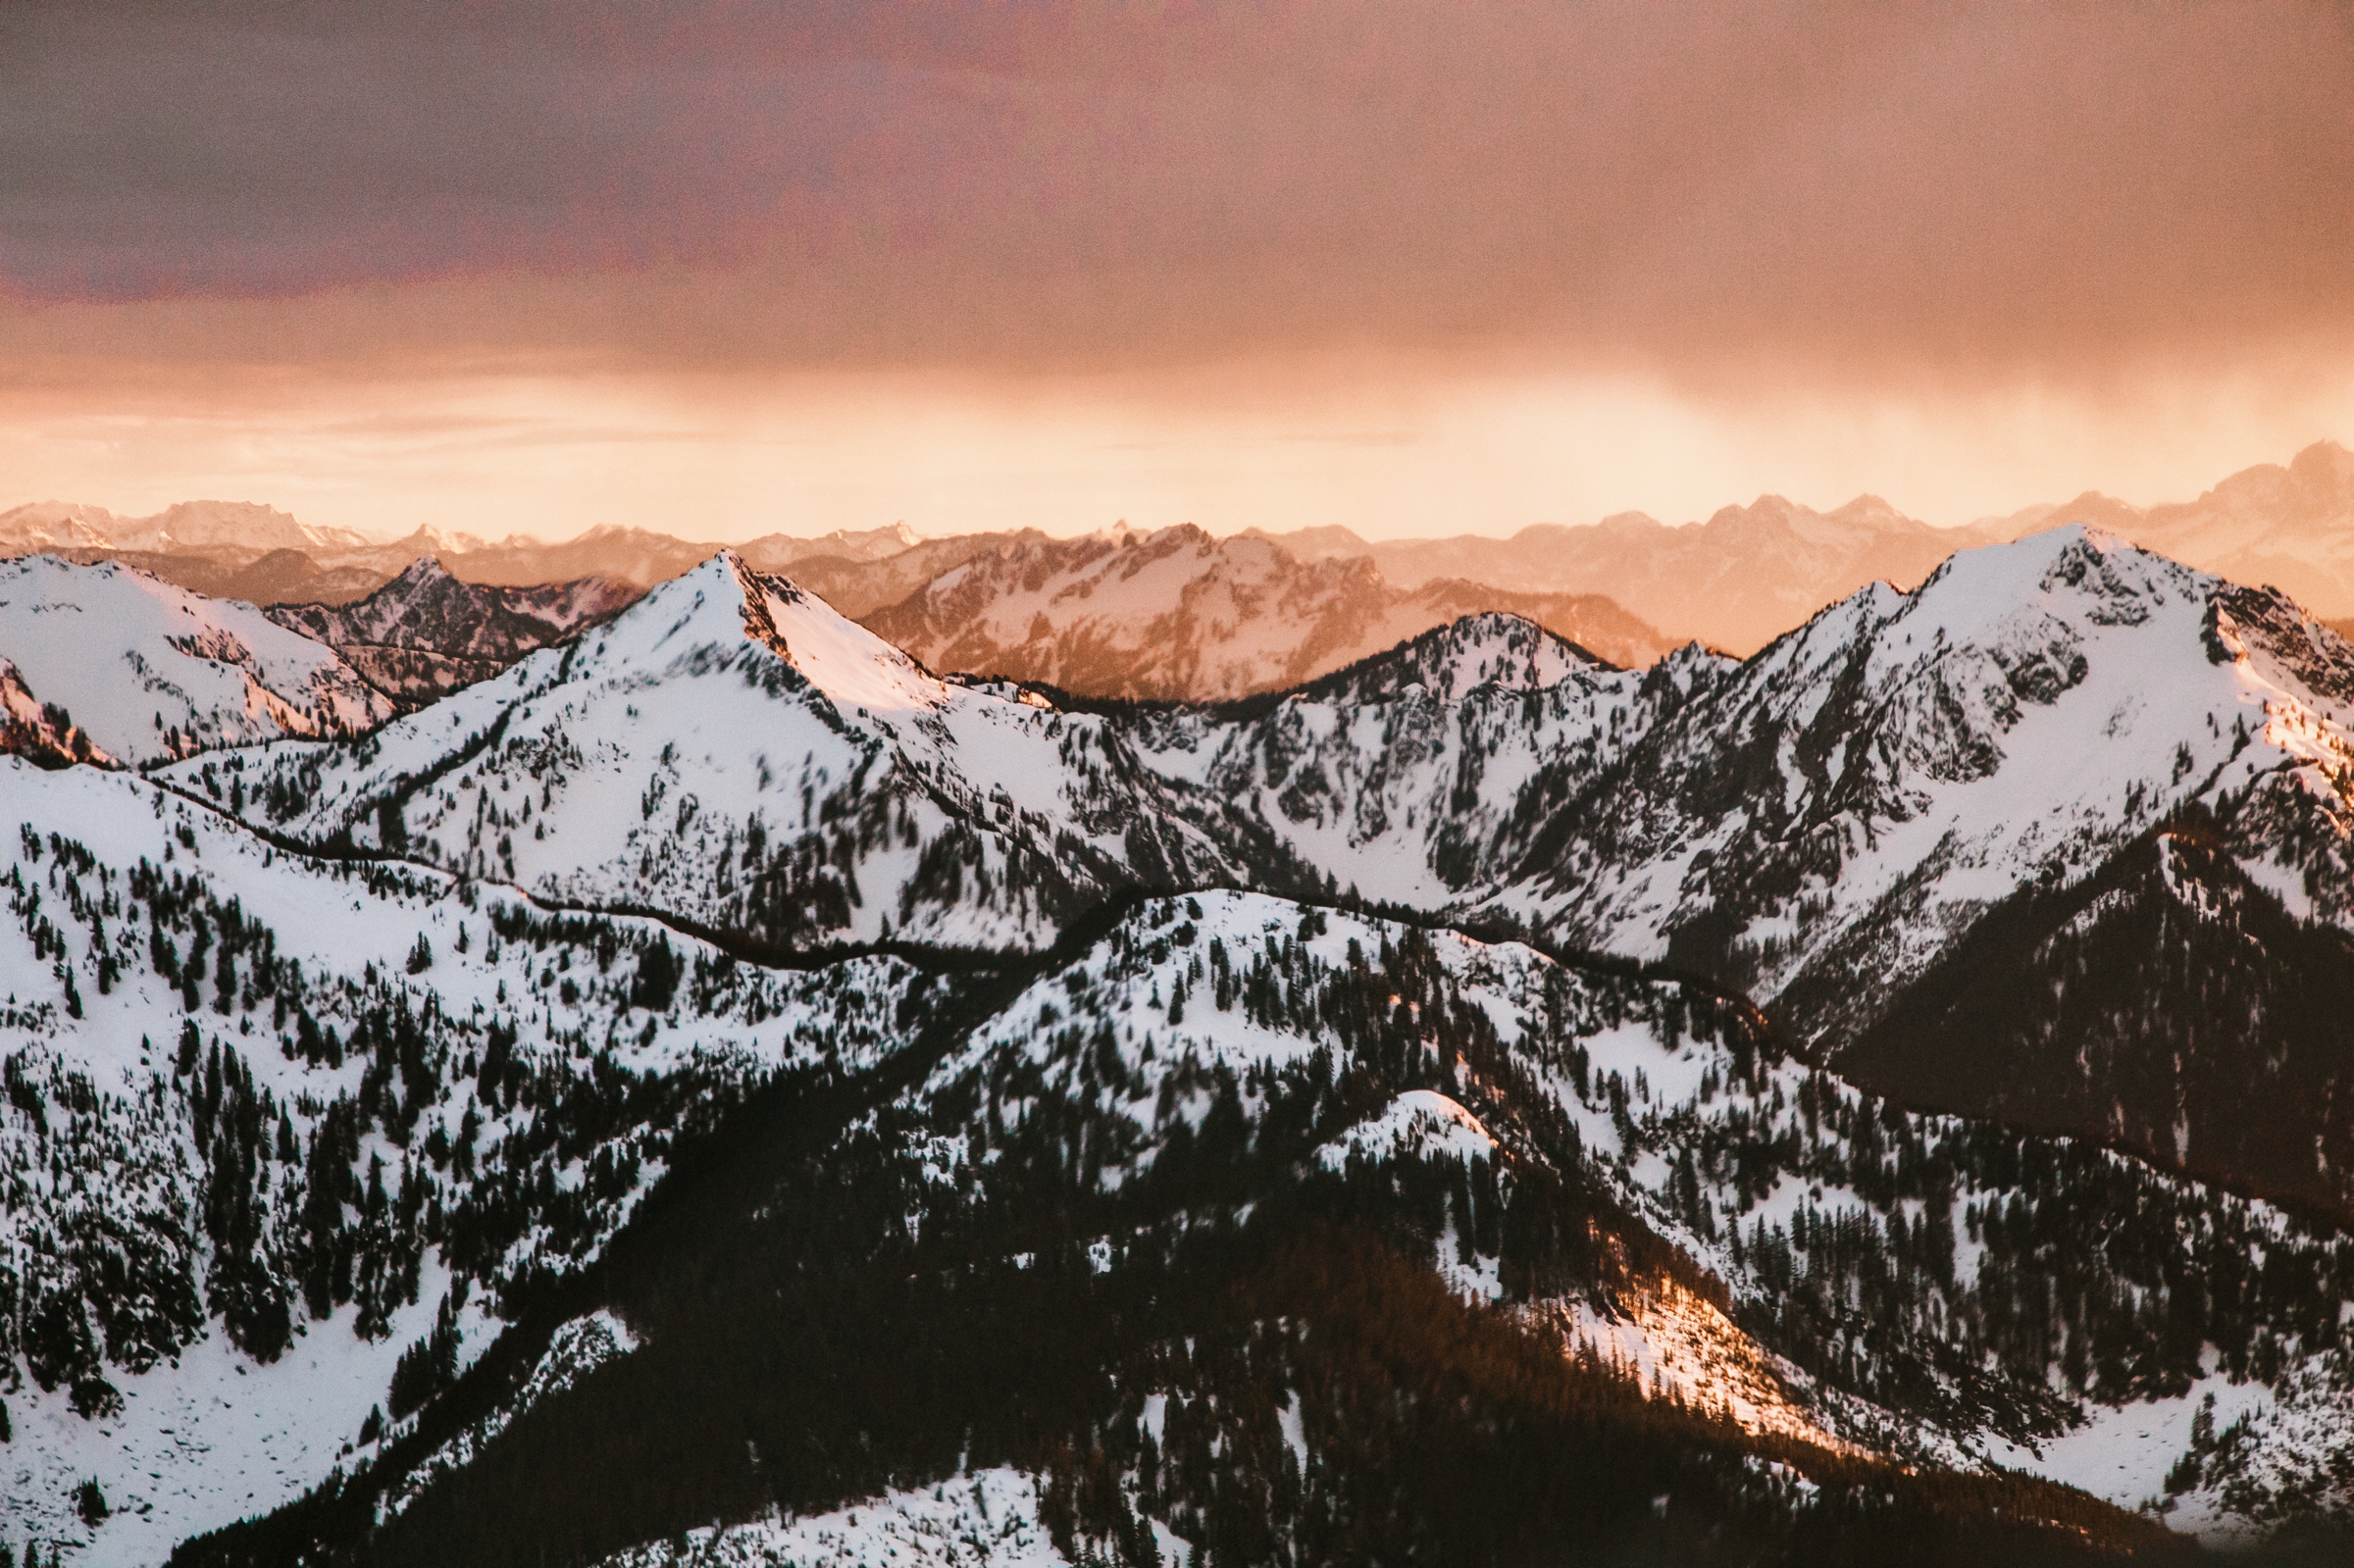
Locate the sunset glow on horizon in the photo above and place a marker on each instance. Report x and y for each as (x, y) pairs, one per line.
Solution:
(1403, 270)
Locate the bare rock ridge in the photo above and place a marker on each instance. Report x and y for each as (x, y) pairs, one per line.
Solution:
(425, 633)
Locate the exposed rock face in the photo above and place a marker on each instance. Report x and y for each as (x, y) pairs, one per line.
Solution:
(425, 633)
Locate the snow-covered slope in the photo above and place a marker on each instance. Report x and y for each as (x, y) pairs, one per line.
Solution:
(732, 751)
(270, 1125)
(1872, 1255)
(146, 671)
(1616, 1163)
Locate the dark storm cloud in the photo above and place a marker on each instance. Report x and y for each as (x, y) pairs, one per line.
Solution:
(2052, 187)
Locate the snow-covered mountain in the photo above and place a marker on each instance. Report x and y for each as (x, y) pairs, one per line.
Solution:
(732, 751)
(103, 664)
(718, 1087)
(1177, 614)
(1920, 787)
(1857, 798)
(279, 1139)
(425, 633)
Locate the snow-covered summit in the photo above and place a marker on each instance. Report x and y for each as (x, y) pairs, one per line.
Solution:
(146, 671)
(1493, 648)
(836, 655)
(1861, 788)
(733, 751)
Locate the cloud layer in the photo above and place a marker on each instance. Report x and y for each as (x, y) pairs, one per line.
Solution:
(1694, 190)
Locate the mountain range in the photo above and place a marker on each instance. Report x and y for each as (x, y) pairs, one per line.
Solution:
(718, 1090)
(1737, 580)
(1734, 581)
(1175, 614)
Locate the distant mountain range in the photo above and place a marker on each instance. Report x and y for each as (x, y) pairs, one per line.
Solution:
(1749, 574)
(1193, 617)
(1177, 614)
(1735, 581)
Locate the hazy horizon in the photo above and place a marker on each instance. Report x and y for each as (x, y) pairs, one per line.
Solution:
(382, 534)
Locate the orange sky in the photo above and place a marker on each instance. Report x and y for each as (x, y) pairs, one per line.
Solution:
(1405, 268)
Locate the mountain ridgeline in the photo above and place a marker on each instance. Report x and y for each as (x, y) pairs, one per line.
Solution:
(718, 1090)
(1174, 614)
(425, 633)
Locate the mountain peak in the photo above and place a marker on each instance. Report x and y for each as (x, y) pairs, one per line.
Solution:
(835, 654)
(2324, 466)
(423, 569)
(1491, 648)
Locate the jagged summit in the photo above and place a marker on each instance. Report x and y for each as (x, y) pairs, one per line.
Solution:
(425, 632)
(835, 654)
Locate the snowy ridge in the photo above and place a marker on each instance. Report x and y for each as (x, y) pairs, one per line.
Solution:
(119, 1299)
(839, 657)
(987, 1520)
(1775, 1175)
(148, 672)
(576, 1349)
(732, 751)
